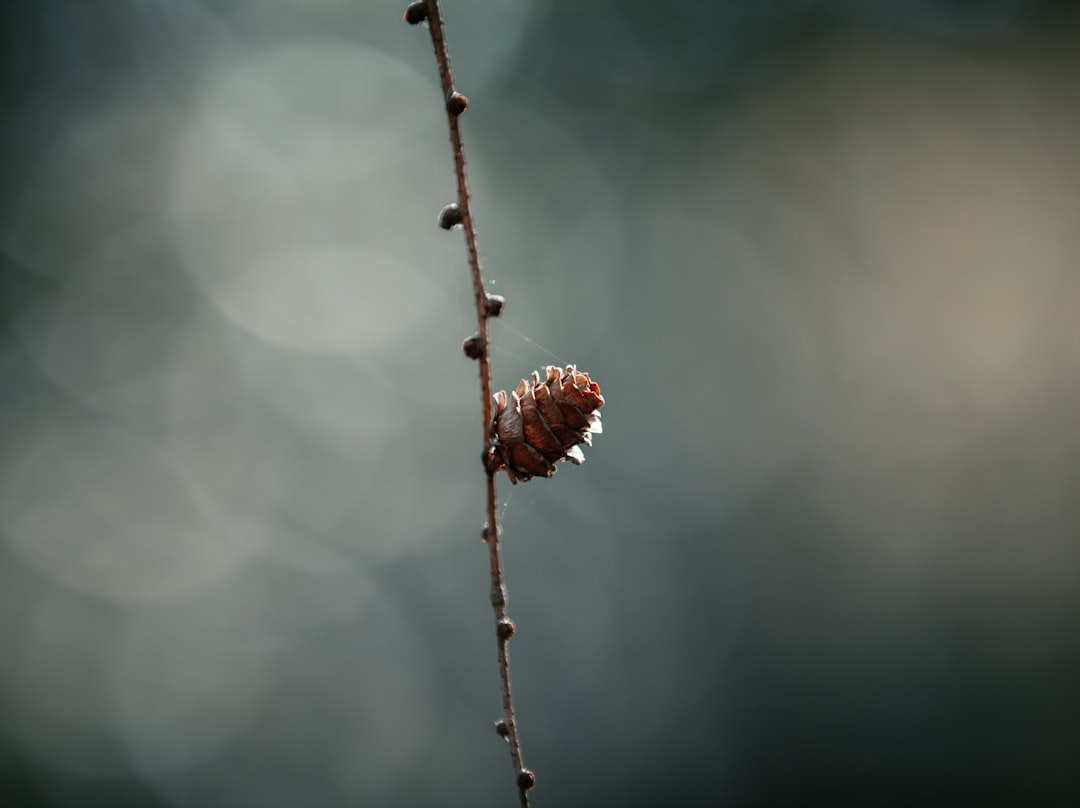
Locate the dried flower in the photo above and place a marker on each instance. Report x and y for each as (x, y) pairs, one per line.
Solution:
(542, 422)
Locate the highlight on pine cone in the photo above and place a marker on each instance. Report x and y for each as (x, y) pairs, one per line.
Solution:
(542, 422)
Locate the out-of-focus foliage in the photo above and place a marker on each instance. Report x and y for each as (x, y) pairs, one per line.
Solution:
(820, 256)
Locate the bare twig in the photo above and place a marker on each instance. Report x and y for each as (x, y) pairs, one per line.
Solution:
(476, 347)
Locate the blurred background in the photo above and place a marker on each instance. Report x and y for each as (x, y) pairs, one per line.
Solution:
(821, 256)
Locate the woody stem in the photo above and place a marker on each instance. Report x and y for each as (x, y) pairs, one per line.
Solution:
(493, 533)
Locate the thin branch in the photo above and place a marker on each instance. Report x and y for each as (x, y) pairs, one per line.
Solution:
(477, 348)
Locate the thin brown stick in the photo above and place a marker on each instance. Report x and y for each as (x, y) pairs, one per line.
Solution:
(504, 628)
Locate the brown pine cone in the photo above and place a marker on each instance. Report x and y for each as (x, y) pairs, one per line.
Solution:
(542, 422)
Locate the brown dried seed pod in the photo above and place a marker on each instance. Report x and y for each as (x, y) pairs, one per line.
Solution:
(542, 422)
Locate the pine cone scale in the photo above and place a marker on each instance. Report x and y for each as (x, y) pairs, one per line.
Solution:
(549, 408)
(538, 434)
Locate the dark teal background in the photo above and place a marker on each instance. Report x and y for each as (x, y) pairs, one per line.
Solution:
(822, 258)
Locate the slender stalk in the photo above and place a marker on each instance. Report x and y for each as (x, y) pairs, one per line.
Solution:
(504, 628)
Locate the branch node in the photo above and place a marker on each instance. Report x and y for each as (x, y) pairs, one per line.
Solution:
(473, 347)
(493, 462)
(416, 13)
(505, 629)
(494, 305)
(456, 103)
(526, 780)
(502, 729)
(451, 217)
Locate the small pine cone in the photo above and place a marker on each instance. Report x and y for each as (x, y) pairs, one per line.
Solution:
(542, 422)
